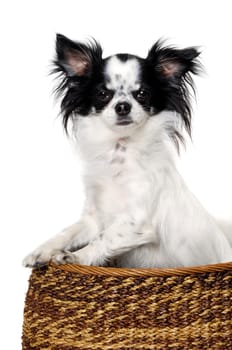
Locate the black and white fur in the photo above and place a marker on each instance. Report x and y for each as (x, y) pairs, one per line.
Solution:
(127, 115)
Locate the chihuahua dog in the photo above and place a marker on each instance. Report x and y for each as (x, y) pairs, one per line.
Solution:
(127, 115)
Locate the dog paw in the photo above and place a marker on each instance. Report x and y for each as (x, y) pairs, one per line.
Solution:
(33, 260)
(39, 258)
(65, 257)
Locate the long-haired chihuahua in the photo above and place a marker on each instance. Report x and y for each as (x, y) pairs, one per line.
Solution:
(127, 115)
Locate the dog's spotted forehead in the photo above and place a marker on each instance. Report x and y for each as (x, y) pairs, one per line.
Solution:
(122, 75)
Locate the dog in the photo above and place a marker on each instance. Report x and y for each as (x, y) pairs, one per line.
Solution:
(128, 115)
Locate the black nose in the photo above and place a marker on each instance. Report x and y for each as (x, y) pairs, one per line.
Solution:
(123, 108)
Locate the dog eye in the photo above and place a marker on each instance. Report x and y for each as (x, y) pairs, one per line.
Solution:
(141, 95)
(104, 95)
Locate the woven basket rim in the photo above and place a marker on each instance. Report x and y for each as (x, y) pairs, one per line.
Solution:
(159, 272)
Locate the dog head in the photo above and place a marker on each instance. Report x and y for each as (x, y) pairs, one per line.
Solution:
(124, 90)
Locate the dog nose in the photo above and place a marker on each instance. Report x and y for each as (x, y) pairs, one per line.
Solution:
(123, 109)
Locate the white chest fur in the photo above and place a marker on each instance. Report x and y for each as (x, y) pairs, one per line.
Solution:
(116, 171)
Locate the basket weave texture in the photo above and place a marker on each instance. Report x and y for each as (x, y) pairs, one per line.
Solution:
(78, 307)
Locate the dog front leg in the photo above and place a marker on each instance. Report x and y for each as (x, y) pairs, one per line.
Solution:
(116, 240)
(71, 238)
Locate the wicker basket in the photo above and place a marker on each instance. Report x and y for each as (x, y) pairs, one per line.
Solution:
(78, 307)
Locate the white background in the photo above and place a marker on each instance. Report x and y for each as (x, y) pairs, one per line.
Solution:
(40, 177)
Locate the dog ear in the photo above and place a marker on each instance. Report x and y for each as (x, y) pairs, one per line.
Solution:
(76, 59)
(171, 63)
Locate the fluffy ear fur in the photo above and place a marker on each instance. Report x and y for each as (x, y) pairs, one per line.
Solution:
(77, 59)
(172, 68)
(170, 62)
(77, 64)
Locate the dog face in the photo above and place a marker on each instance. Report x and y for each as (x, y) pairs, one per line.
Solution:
(126, 100)
(123, 90)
